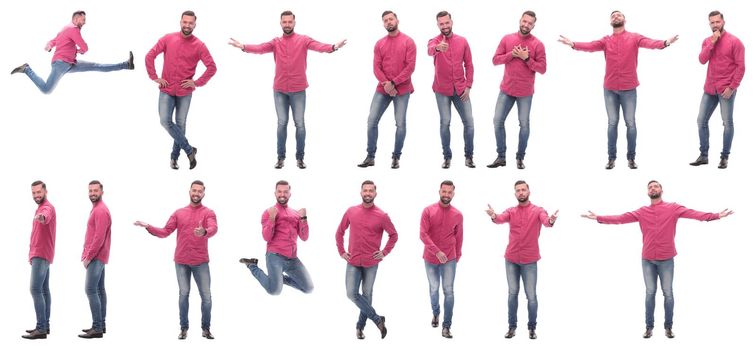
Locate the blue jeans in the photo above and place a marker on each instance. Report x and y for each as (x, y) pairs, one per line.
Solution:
(665, 271)
(201, 274)
(377, 108)
(94, 286)
(464, 109)
(504, 104)
(166, 105)
(442, 274)
(40, 291)
(59, 68)
(726, 106)
(297, 102)
(282, 270)
(529, 275)
(365, 275)
(614, 99)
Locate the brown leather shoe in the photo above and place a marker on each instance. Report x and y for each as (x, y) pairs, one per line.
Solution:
(649, 332)
(395, 163)
(104, 330)
(469, 162)
(668, 333)
(434, 321)
(248, 261)
(510, 333)
(279, 164)
(610, 164)
(532, 334)
(360, 334)
(722, 163)
(631, 164)
(91, 334)
(206, 334)
(497, 163)
(446, 333)
(701, 160)
(446, 164)
(182, 335)
(369, 161)
(382, 327)
(35, 334)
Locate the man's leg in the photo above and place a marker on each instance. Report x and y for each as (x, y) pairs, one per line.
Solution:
(366, 276)
(57, 70)
(444, 112)
(504, 104)
(84, 66)
(167, 104)
(95, 271)
(650, 274)
(464, 109)
(628, 100)
(183, 275)
(273, 281)
(377, 107)
(523, 115)
(705, 110)
(298, 103)
(666, 269)
(612, 104)
(201, 274)
(529, 281)
(448, 271)
(39, 288)
(433, 272)
(400, 116)
(513, 281)
(283, 103)
(296, 276)
(726, 107)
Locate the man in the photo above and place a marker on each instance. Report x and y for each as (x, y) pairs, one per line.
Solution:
(658, 223)
(181, 52)
(68, 43)
(196, 223)
(290, 83)
(441, 232)
(621, 78)
(367, 222)
(522, 255)
(94, 257)
(522, 55)
(726, 56)
(41, 253)
(281, 225)
(451, 84)
(393, 64)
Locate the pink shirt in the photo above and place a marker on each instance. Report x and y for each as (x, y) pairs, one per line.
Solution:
(67, 44)
(394, 59)
(42, 242)
(97, 238)
(454, 68)
(441, 230)
(180, 57)
(365, 235)
(519, 75)
(621, 54)
(281, 234)
(190, 249)
(525, 223)
(290, 54)
(658, 224)
(726, 63)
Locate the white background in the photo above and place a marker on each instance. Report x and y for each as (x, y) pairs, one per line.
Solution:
(105, 126)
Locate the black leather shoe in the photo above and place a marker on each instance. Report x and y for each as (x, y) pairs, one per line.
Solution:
(279, 164)
(206, 334)
(182, 335)
(434, 321)
(722, 163)
(497, 163)
(360, 334)
(510, 332)
(446, 333)
(649, 332)
(532, 334)
(301, 164)
(91, 334)
(104, 330)
(631, 164)
(369, 161)
(395, 163)
(192, 158)
(446, 164)
(250, 261)
(174, 164)
(610, 164)
(668, 333)
(32, 330)
(469, 162)
(701, 160)
(35, 334)
(20, 69)
(520, 164)
(382, 327)
(130, 62)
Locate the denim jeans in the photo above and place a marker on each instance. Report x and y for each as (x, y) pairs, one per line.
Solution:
(201, 274)
(614, 99)
(282, 270)
(377, 108)
(365, 275)
(464, 109)
(40, 291)
(297, 102)
(726, 106)
(59, 68)
(504, 104)
(94, 286)
(665, 271)
(166, 105)
(529, 275)
(442, 274)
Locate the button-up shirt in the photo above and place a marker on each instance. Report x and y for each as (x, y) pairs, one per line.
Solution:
(366, 227)
(42, 242)
(67, 44)
(525, 223)
(97, 237)
(281, 234)
(180, 57)
(519, 75)
(394, 60)
(454, 67)
(726, 63)
(441, 230)
(190, 249)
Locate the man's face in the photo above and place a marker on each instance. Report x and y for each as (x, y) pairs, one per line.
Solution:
(95, 193)
(617, 19)
(390, 22)
(283, 192)
(446, 194)
(287, 24)
(196, 193)
(655, 190)
(368, 193)
(79, 20)
(522, 193)
(39, 194)
(527, 23)
(444, 25)
(716, 23)
(187, 25)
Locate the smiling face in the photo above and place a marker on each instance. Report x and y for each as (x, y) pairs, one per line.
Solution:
(445, 25)
(283, 193)
(527, 23)
(95, 193)
(368, 193)
(617, 19)
(287, 24)
(196, 193)
(39, 193)
(188, 23)
(446, 194)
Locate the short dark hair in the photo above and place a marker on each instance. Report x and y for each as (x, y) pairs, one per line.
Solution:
(389, 12)
(198, 182)
(443, 14)
(189, 13)
(39, 182)
(447, 183)
(288, 13)
(521, 182)
(283, 183)
(78, 13)
(531, 14)
(368, 182)
(716, 13)
(654, 181)
(615, 11)
(96, 182)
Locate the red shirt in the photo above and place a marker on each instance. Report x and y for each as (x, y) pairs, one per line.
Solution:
(97, 238)
(658, 223)
(290, 54)
(180, 57)
(394, 59)
(42, 242)
(190, 249)
(281, 234)
(67, 44)
(441, 230)
(525, 223)
(365, 235)
(519, 75)
(621, 54)
(454, 67)
(726, 63)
